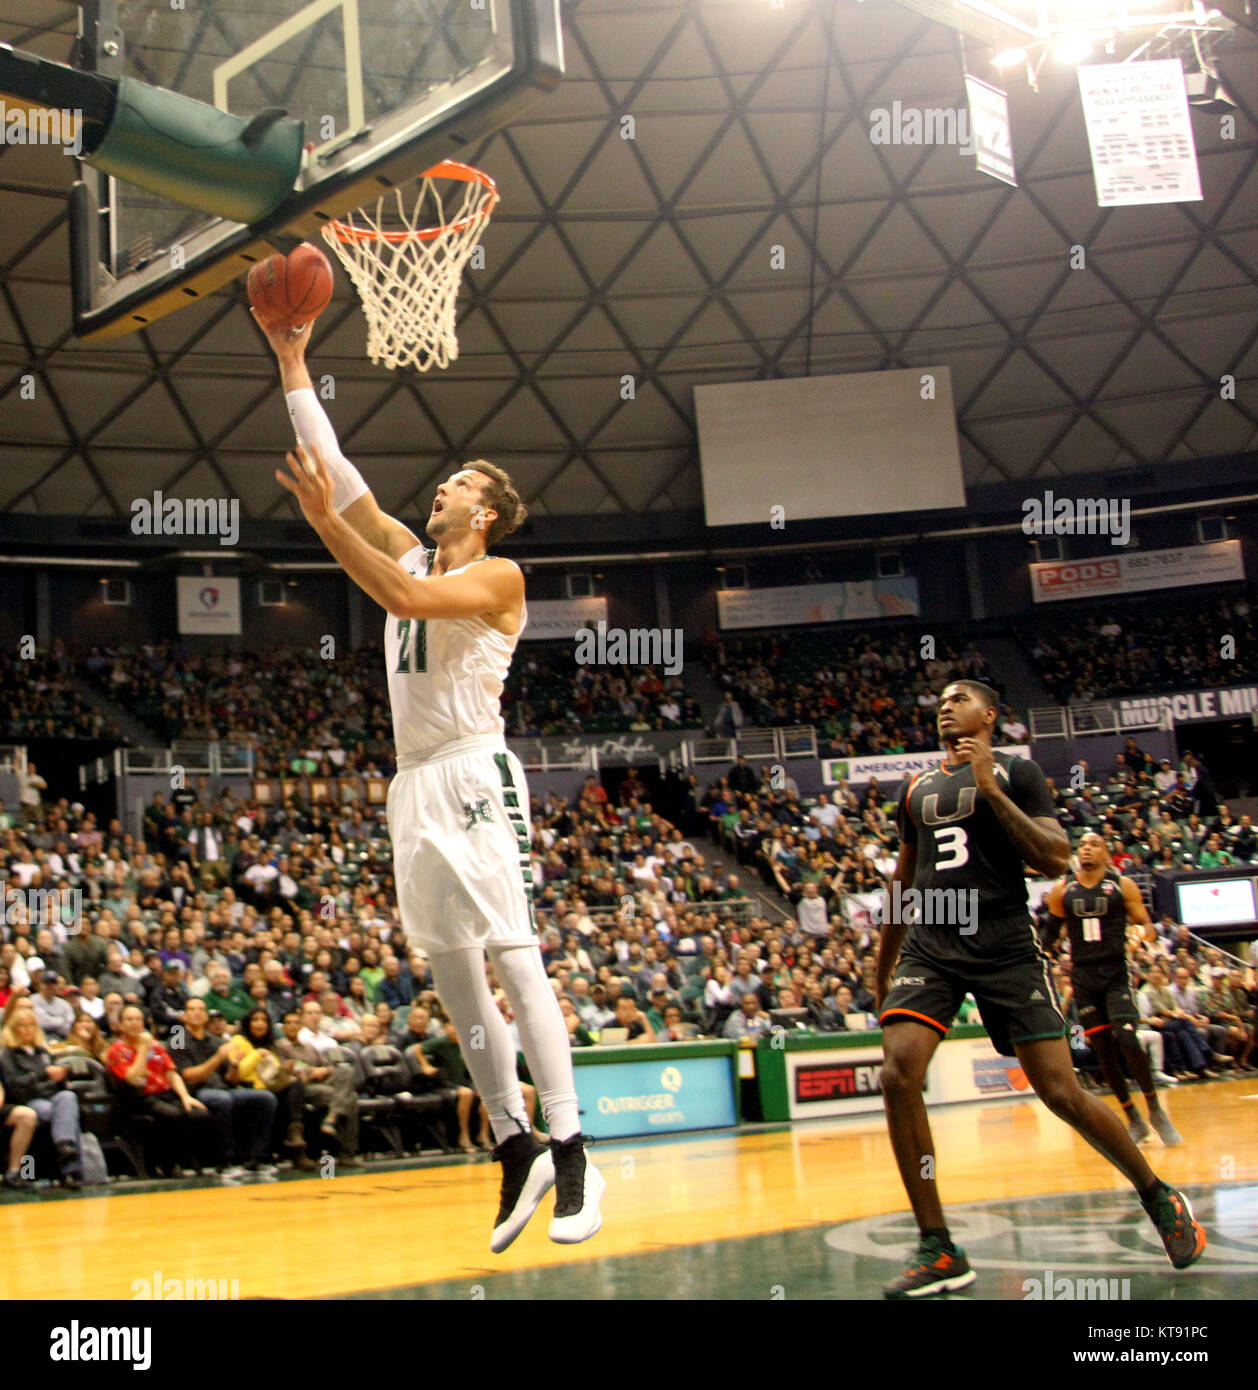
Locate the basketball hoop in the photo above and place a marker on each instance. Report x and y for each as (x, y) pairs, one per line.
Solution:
(407, 266)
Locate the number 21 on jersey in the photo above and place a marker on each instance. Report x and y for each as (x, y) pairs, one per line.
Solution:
(412, 657)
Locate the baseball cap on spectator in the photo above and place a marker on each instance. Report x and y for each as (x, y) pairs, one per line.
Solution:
(215, 1013)
(176, 965)
(33, 963)
(50, 977)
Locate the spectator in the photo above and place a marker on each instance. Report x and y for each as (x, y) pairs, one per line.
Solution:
(253, 1061)
(226, 995)
(1185, 1052)
(22, 1121)
(34, 1078)
(629, 1017)
(397, 988)
(812, 913)
(85, 1040)
(241, 1117)
(329, 1082)
(169, 1000)
(440, 1059)
(85, 953)
(140, 1062)
(748, 1022)
(53, 1014)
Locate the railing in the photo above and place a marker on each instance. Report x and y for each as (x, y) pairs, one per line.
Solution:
(798, 741)
(197, 759)
(1082, 721)
(1048, 721)
(534, 756)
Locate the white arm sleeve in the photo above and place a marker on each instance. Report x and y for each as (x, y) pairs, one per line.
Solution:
(312, 426)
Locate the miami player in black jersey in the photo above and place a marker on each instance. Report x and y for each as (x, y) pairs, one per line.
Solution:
(967, 828)
(1095, 906)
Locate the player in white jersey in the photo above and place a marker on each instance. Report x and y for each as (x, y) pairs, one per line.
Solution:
(458, 808)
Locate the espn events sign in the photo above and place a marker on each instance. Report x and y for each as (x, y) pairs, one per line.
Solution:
(841, 1081)
(893, 767)
(1186, 707)
(1134, 572)
(621, 1099)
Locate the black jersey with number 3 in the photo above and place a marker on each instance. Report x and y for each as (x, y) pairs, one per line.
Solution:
(960, 842)
(1096, 919)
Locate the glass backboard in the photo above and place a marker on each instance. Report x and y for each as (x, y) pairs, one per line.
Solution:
(385, 89)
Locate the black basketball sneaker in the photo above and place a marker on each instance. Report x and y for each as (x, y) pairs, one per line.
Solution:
(578, 1190)
(528, 1173)
(931, 1270)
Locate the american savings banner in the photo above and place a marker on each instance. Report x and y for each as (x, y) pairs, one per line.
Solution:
(1133, 572)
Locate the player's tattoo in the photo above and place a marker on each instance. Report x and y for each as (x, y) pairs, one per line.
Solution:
(1042, 845)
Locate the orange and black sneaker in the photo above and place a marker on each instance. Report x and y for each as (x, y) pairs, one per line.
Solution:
(1182, 1234)
(931, 1270)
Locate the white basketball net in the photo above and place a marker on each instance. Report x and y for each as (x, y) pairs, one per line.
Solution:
(407, 266)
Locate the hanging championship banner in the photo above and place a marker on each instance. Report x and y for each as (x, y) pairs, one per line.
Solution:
(989, 130)
(1140, 133)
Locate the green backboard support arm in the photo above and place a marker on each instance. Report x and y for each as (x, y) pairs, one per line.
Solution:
(166, 143)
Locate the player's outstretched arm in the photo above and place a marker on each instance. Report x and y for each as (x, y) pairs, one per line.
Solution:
(491, 589)
(352, 498)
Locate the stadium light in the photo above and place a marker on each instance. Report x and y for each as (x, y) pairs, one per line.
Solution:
(1072, 48)
(1009, 57)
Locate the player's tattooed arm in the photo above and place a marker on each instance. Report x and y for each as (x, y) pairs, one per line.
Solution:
(1041, 842)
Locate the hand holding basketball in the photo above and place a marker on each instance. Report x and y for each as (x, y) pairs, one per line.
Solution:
(290, 292)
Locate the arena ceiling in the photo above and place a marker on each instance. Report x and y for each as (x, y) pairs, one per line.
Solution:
(651, 257)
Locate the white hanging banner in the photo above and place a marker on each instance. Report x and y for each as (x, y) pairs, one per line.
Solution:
(208, 605)
(1140, 133)
(989, 130)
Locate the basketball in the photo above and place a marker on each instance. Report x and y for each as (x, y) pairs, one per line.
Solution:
(289, 291)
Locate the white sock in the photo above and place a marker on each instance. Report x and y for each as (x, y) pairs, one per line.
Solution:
(459, 978)
(543, 1035)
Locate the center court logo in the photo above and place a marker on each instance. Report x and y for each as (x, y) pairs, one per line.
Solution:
(1097, 1234)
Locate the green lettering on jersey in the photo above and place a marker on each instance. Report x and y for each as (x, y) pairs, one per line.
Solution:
(405, 626)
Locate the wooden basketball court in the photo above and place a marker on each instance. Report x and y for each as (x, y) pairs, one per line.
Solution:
(814, 1210)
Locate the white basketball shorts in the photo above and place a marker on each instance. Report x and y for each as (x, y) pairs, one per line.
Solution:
(459, 822)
